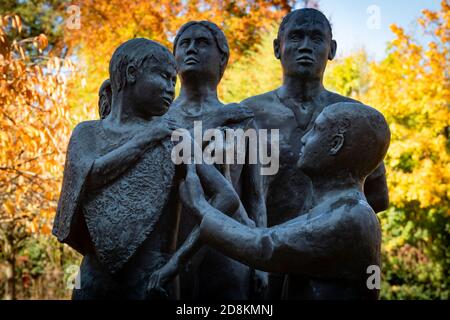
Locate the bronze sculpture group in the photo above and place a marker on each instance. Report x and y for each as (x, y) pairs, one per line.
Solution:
(148, 228)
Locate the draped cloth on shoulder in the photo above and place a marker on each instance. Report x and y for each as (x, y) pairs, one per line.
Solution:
(122, 214)
(82, 150)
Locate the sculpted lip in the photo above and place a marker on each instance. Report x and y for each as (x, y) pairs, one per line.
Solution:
(305, 59)
(190, 60)
(167, 100)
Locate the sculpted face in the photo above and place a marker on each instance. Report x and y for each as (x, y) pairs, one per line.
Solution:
(197, 52)
(319, 146)
(154, 87)
(305, 46)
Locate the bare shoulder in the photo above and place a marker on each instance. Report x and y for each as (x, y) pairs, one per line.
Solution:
(236, 105)
(258, 102)
(361, 222)
(360, 211)
(333, 97)
(85, 127)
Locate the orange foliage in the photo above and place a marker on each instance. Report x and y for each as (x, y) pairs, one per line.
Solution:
(34, 127)
(106, 24)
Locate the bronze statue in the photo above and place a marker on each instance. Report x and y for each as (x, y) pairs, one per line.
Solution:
(338, 238)
(201, 53)
(120, 203)
(114, 206)
(304, 45)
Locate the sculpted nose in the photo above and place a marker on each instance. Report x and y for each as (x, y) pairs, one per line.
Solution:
(191, 48)
(170, 90)
(305, 45)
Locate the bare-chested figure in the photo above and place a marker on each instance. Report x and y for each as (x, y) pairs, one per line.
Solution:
(304, 45)
(201, 53)
(326, 251)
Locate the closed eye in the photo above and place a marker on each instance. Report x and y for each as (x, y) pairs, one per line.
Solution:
(296, 36)
(184, 42)
(203, 41)
(317, 38)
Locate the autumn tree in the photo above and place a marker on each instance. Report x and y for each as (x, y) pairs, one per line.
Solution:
(254, 73)
(412, 89)
(43, 16)
(34, 129)
(106, 24)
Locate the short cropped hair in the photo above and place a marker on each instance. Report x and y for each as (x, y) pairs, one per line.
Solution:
(310, 11)
(366, 134)
(136, 52)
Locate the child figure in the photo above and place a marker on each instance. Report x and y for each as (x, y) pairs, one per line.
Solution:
(118, 177)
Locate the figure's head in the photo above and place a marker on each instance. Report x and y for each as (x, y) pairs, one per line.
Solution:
(305, 43)
(104, 99)
(201, 48)
(346, 138)
(146, 71)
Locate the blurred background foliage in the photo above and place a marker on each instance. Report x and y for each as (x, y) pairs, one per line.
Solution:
(49, 81)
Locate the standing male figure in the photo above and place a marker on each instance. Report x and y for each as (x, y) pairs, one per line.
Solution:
(201, 53)
(304, 45)
(339, 238)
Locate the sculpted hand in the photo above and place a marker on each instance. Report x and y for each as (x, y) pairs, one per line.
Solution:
(260, 284)
(157, 130)
(191, 191)
(158, 280)
(234, 113)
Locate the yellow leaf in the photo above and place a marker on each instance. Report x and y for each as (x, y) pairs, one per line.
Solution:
(9, 207)
(18, 23)
(45, 229)
(42, 41)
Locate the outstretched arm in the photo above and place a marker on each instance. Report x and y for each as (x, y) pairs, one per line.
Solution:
(116, 162)
(305, 245)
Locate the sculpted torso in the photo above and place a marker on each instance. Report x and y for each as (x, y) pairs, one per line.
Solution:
(288, 192)
(128, 218)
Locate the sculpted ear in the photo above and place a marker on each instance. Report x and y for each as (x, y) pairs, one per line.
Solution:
(276, 48)
(337, 143)
(223, 59)
(223, 62)
(333, 48)
(131, 74)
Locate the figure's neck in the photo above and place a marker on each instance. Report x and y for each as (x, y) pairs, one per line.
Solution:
(198, 93)
(122, 112)
(301, 89)
(331, 186)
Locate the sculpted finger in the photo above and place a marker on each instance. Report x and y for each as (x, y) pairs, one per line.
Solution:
(191, 171)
